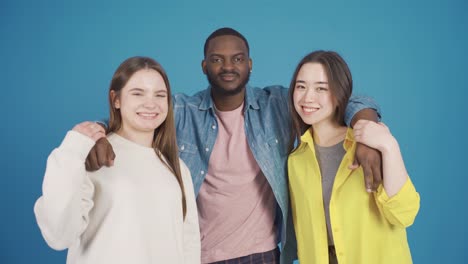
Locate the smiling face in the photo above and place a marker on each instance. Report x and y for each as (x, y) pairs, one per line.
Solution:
(143, 102)
(312, 98)
(227, 64)
(318, 93)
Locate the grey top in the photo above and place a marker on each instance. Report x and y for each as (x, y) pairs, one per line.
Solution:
(329, 160)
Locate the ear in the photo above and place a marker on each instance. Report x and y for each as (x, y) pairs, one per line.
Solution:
(250, 64)
(203, 65)
(115, 99)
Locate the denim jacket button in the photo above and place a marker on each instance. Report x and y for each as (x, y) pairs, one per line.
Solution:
(202, 172)
(207, 149)
(213, 127)
(182, 147)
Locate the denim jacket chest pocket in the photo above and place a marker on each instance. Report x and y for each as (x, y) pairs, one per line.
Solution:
(187, 151)
(276, 153)
(278, 145)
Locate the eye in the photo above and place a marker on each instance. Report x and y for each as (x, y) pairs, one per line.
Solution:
(216, 60)
(161, 95)
(137, 93)
(321, 89)
(238, 59)
(300, 86)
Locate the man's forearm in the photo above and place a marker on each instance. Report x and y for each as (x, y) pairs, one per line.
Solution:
(366, 114)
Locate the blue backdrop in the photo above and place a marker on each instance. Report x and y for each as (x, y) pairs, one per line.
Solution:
(57, 60)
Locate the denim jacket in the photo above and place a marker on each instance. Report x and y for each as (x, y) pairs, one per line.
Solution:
(267, 128)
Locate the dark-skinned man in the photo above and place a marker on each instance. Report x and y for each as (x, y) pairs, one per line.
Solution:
(234, 140)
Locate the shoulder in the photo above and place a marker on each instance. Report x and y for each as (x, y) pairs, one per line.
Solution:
(270, 97)
(116, 141)
(182, 100)
(298, 153)
(112, 138)
(269, 91)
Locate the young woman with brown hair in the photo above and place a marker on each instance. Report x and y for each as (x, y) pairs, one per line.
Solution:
(142, 209)
(335, 219)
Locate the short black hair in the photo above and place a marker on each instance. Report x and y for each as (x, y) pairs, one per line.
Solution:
(225, 31)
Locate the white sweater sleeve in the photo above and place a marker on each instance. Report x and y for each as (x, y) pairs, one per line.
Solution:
(192, 248)
(67, 192)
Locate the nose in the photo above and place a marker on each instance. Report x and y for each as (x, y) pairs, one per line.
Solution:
(310, 95)
(227, 65)
(150, 103)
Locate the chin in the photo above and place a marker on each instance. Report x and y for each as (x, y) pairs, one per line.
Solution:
(149, 128)
(231, 91)
(310, 122)
(230, 88)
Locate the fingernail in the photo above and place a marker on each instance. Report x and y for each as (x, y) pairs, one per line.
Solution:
(369, 190)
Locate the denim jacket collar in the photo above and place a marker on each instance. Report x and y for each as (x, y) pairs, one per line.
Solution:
(250, 100)
(207, 100)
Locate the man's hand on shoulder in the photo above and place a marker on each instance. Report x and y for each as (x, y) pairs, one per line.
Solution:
(102, 154)
(370, 159)
(371, 162)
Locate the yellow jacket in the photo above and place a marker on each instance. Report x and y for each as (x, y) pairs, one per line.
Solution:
(367, 228)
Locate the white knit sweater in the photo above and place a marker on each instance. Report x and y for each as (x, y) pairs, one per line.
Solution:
(128, 213)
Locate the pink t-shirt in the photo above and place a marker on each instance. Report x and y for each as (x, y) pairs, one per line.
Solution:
(236, 205)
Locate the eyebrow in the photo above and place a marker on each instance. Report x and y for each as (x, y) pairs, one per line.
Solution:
(136, 89)
(234, 55)
(301, 81)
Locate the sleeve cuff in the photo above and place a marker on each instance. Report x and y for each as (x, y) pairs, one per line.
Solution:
(406, 192)
(358, 103)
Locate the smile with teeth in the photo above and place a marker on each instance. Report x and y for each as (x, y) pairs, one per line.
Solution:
(307, 109)
(148, 115)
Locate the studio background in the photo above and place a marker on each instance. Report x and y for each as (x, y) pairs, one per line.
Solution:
(57, 60)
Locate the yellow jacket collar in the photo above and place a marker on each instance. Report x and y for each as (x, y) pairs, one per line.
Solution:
(308, 139)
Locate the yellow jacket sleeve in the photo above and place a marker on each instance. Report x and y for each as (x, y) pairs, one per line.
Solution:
(401, 209)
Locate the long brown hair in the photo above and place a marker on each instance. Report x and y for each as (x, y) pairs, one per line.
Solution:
(340, 83)
(164, 141)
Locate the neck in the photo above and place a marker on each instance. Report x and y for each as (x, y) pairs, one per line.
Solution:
(141, 138)
(328, 133)
(227, 102)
